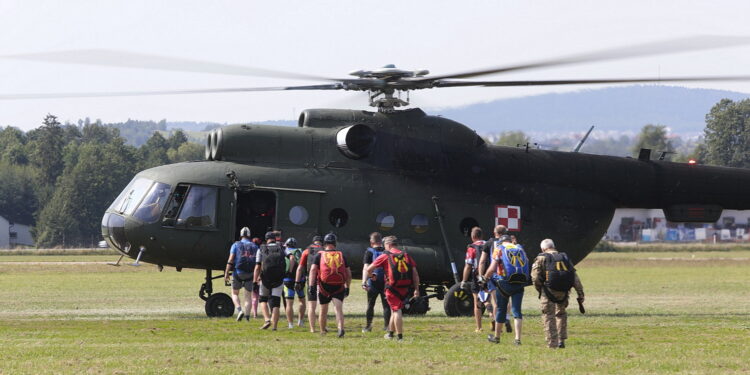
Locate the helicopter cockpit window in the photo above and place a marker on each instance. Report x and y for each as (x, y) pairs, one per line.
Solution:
(150, 209)
(173, 207)
(420, 223)
(385, 221)
(199, 208)
(132, 195)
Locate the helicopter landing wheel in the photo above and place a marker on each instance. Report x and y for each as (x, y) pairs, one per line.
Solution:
(458, 302)
(219, 305)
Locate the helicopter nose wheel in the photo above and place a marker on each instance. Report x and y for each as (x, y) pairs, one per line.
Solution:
(218, 305)
(458, 302)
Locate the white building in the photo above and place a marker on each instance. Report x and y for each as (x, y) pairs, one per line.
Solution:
(14, 234)
(645, 225)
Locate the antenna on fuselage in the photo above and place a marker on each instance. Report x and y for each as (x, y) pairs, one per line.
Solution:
(585, 137)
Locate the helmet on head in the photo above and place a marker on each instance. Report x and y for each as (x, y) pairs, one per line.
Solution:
(270, 235)
(291, 242)
(318, 239)
(329, 238)
(506, 238)
(245, 232)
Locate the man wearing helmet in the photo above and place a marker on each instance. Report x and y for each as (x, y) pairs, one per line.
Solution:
(332, 275)
(241, 264)
(293, 255)
(303, 270)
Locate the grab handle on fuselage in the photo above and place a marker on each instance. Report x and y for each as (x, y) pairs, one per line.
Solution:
(435, 200)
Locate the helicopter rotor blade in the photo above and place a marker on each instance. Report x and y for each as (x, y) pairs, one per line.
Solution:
(695, 43)
(444, 83)
(334, 86)
(123, 59)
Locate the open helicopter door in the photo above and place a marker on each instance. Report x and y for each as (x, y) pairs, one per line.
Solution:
(256, 209)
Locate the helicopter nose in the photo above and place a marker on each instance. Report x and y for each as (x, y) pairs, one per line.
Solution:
(113, 231)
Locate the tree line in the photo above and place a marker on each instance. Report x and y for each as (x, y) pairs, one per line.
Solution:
(60, 178)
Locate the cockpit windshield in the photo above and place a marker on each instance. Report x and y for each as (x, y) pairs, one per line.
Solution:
(131, 196)
(153, 204)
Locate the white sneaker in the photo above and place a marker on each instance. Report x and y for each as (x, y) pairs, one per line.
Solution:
(240, 315)
(290, 325)
(300, 323)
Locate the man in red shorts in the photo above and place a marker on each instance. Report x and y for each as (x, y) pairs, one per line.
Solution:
(401, 278)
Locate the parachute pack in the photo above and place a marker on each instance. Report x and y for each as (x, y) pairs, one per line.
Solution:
(559, 272)
(378, 274)
(332, 268)
(515, 264)
(273, 265)
(246, 261)
(312, 250)
(399, 270)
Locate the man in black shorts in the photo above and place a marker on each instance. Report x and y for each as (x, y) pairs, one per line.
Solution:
(333, 276)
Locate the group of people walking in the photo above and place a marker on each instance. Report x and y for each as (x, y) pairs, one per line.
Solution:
(322, 274)
(496, 272)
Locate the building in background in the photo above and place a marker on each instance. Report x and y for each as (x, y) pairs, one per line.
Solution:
(647, 225)
(14, 234)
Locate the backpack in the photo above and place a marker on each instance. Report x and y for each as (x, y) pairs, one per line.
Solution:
(478, 255)
(332, 268)
(399, 270)
(246, 261)
(559, 272)
(297, 254)
(273, 265)
(379, 273)
(312, 250)
(515, 265)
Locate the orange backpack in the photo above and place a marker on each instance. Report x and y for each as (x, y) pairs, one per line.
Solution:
(332, 268)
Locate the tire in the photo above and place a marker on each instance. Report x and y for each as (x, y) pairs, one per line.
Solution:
(458, 302)
(219, 305)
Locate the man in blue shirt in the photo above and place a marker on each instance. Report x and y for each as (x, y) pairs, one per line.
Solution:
(241, 264)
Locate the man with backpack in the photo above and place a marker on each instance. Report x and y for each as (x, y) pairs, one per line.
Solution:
(332, 275)
(553, 275)
(241, 264)
(269, 270)
(303, 272)
(470, 280)
(401, 277)
(293, 255)
(509, 272)
(375, 285)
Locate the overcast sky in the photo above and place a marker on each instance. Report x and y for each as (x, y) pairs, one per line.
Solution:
(332, 38)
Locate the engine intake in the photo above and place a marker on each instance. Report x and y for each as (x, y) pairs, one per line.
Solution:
(356, 141)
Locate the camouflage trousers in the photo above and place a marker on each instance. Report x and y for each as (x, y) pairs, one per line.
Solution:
(555, 320)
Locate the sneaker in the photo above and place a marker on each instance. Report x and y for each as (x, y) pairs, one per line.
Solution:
(266, 325)
(366, 329)
(478, 330)
(561, 345)
(300, 323)
(517, 342)
(247, 317)
(240, 315)
(273, 329)
(388, 336)
(290, 325)
(399, 339)
(341, 333)
(508, 327)
(493, 339)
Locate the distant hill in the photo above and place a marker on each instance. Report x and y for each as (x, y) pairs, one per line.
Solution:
(616, 109)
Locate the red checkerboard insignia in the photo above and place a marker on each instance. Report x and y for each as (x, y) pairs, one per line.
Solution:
(510, 216)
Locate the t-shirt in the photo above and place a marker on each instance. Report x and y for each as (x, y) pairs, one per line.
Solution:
(235, 249)
(382, 260)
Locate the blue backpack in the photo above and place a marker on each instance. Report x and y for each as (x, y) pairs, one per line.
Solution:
(515, 264)
(379, 273)
(246, 261)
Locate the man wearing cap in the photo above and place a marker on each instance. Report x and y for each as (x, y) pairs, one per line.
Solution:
(303, 270)
(269, 271)
(241, 256)
(331, 273)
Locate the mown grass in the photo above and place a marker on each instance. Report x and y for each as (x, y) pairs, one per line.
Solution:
(645, 315)
(672, 247)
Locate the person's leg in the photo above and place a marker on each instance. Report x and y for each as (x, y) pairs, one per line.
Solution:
(516, 302)
(372, 296)
(236, 299)
(289, 310)
(265, 294)
(398, 321)
(247, 299)
(323, 318)
(276, 296)
(312, 294)
(301, 312)
(548, 320)
(561, 317)
(338, 306)
(477, 312)
(500, 312)
(386, 311)
(256, 298)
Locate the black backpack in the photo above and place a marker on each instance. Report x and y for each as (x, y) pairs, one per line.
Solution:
(273, 265)
(312, 250)
(559, 272)
(246, 262)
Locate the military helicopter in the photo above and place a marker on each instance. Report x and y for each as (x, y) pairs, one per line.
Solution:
(426, 179)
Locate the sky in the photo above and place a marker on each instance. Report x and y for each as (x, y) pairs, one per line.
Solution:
(332, 38)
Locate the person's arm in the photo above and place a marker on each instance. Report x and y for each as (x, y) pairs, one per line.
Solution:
(482, 262)
(348, 277)
(415, 281)
(536, 272)
(490, 270)
(579, 288)
(292, 260)
(313, 275)
(256, 272)
(302, 266)
(230, 267)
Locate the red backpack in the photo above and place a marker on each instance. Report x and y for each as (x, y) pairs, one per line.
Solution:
(399, 270)
(332, 268)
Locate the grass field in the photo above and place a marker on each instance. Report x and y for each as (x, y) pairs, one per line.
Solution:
(647, 313)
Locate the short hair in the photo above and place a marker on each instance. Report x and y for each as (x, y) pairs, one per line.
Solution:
(376, 237)
(547, 244)
(245, 232)
(393, 240)
(476, 232)
(500, 230)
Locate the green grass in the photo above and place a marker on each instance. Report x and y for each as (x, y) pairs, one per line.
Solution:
(647, 313)
(672, 247)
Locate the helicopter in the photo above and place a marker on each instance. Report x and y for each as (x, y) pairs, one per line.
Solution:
(426, 179)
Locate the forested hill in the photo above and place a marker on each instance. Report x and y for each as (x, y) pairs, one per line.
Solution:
(618, 108)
